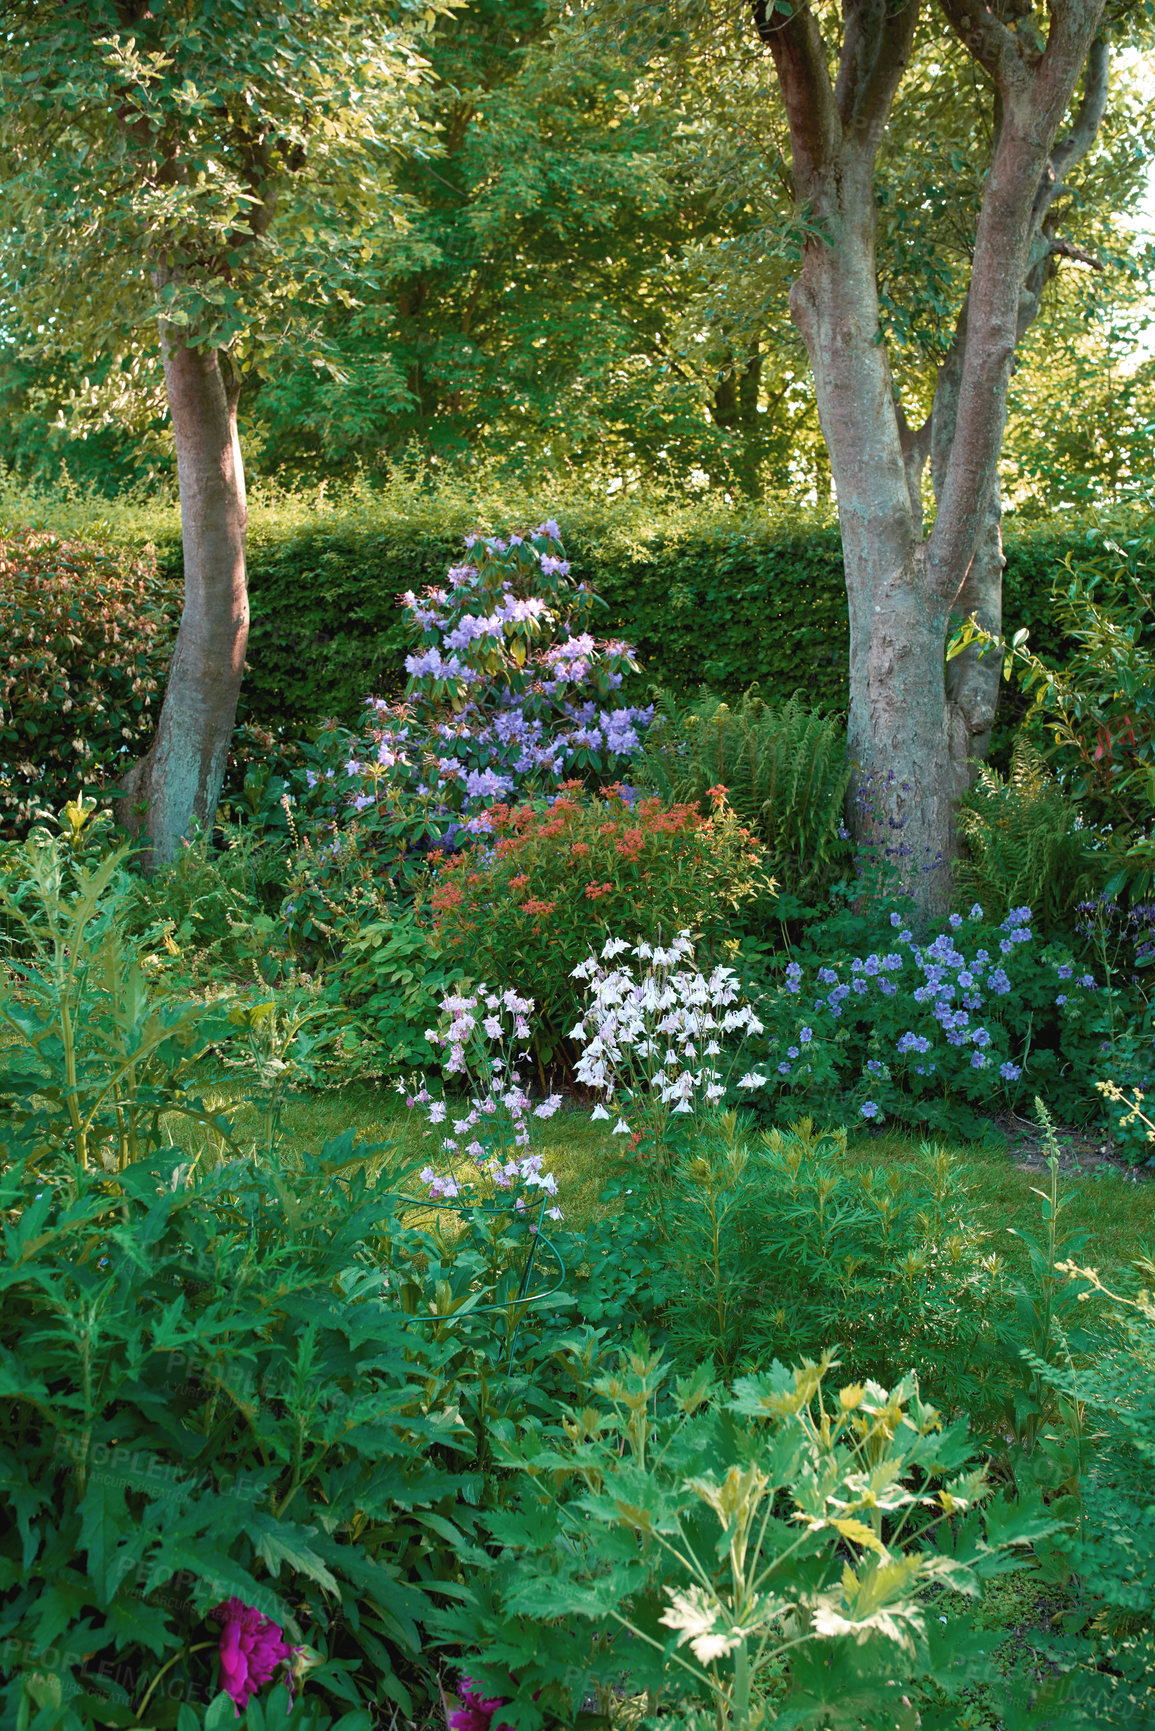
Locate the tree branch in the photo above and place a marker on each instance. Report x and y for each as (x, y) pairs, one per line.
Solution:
(1066, 249)
(875, 49)
(985, 37)
(1006, 275)
(1084, 129)
(799, 55)
(1067, 51)
(1086, 124)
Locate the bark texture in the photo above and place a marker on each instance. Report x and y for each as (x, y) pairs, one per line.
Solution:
(906, 740)
(180, 778)
(972, 680)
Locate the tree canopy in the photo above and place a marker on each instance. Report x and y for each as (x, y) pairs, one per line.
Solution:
(567, 244)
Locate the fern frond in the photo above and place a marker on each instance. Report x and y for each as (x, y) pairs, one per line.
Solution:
(1024, 845)
(785, 772)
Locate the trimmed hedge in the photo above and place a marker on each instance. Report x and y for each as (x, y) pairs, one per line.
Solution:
(709, 594)
(725, 601)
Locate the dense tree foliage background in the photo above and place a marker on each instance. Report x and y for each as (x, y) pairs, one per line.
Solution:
(582, 269)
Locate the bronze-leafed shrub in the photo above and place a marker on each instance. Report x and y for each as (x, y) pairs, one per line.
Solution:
(87, 635)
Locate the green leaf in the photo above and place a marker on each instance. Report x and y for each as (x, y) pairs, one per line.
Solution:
(221, 1713)
(104, 1523)
(278, 1542)
(139, 1624)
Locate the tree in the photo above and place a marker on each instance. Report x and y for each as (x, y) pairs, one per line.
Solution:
(928, 159)
(907, 731)
(527, 317)
(145, 151)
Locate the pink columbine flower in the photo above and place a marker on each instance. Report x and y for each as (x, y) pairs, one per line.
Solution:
(252, 1649)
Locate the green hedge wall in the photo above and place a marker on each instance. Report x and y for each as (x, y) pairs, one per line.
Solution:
(707, 598)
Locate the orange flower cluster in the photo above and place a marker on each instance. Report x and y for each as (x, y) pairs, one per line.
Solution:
(549, 882)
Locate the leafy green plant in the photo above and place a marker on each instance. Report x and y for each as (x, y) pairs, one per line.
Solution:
(94, 1056)
(1045, 1327)
(102, 1062)
(1098, 705)
(785, 1245)
(1024, 843)
(1103, 1666)
(211, 910)
(280, 1380)
(784, 771)
(1122, 942)
(88, 631)
(391, 976)
(236, 1383)
(765, 1553)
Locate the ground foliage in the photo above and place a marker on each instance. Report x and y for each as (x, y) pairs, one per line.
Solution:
(236, 1368)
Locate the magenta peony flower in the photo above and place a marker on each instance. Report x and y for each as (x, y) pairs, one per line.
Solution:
(475, 1714)
(252, 1647)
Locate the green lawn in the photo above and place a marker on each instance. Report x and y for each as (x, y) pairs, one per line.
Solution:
(1117, 1211)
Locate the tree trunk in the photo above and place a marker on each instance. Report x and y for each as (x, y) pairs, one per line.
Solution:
(907, 743)
(901, 809)
(972, 680)
(179, 780)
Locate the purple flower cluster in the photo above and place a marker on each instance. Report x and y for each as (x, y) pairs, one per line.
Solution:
(508, 696)
(480, 1035)
(945, 1027)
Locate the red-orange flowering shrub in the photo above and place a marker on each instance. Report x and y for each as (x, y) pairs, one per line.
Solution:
(88, 631)
(551, 881)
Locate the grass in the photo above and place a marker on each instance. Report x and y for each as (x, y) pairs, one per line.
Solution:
(1117, 1213)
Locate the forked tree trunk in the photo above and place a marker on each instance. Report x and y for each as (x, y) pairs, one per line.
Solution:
(909, 745)
(898, 738)
(179, 780)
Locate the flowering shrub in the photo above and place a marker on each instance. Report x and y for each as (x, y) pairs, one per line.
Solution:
(521, 905)
(655, 1046)
(943, 1033)
(508, 693)
(87, 635)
